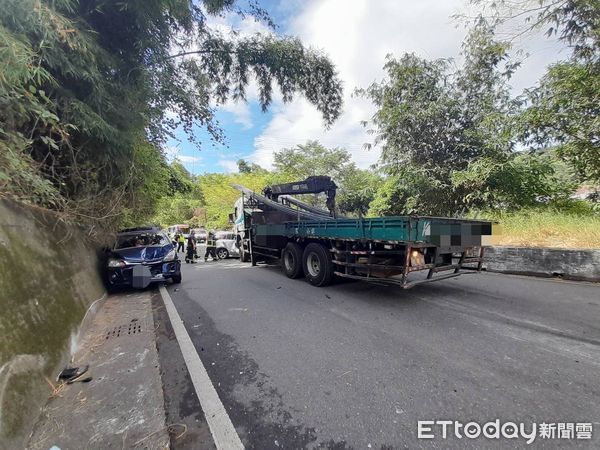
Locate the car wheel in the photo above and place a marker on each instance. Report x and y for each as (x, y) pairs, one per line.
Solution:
(176, 278)
(291, 260)
(318, 265)
(222, 253)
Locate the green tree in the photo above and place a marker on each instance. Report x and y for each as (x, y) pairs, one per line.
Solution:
(564, 112)
(219, 196)
(180, 179)
(410, 190)
(575, 22)
(563, 107)
(432, 121)
(357, 190)
(149, 182)
(247, 167)
(356, 187)
(175, 209)
(84, 79)
(518, 181)
(310, 159)
(179, 196)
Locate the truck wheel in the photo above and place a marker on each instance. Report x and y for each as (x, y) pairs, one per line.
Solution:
(318, 265)
(291, 260)
(244, 255)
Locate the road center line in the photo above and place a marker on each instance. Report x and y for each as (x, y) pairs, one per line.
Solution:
(221, 428)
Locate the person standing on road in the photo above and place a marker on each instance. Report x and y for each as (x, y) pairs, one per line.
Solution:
(190, 255)
(211, 247)
(181, 242)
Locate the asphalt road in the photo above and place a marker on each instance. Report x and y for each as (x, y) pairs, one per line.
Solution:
(355, 365)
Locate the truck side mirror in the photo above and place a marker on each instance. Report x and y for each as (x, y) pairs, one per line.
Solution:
(231, 219)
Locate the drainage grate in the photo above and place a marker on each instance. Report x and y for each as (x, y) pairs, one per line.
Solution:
(133, 327)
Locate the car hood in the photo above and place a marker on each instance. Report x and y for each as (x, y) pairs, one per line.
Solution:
(142, 254)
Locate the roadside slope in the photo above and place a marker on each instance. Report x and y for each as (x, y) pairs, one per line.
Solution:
(48, 279)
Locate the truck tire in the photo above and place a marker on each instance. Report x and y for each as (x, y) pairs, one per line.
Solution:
(244, 255)
(318, 265)
(291, 260)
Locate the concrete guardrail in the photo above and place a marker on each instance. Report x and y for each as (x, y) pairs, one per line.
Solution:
(571, 264)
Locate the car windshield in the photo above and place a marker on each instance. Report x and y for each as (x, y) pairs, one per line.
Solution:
(144, 239)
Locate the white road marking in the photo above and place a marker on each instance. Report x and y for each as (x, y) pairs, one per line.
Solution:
(221, 428)
(216, 265)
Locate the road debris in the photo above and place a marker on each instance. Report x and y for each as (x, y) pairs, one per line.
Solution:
(56, 389)
(71, 373)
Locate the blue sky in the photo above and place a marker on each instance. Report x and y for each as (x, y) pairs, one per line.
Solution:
(356, 34)
(213, 157)
(240, 132)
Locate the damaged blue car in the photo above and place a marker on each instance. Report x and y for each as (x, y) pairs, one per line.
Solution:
(141, 256)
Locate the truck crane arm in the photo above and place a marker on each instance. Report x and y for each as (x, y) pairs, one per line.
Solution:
(312, 185)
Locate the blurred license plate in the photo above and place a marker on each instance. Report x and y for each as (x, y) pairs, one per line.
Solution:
(141, 277)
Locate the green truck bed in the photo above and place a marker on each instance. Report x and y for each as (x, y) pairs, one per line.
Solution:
(430, 230)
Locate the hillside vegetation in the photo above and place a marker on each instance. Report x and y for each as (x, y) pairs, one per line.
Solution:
(562, 222)
(88, 103)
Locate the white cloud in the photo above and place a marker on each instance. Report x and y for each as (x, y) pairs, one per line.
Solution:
(230, 22)
(357, 35)
(241, 112)
(189, 159)
(228, 164)
(171, 153)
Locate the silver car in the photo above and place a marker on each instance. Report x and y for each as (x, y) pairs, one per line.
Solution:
(201, 235)
(225, 242)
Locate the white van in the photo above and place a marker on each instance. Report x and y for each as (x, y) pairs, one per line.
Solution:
(181, 229)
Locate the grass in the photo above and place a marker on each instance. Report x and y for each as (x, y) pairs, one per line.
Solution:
(547, 228)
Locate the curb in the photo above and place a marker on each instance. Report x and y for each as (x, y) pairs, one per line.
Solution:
(122, 406)
(577, 265)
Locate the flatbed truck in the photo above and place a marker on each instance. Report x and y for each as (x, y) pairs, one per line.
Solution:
(319, 245)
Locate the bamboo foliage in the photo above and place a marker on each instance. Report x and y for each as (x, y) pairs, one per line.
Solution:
(86, 85)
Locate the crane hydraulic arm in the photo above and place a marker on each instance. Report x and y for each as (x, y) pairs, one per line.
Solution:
(312, 185)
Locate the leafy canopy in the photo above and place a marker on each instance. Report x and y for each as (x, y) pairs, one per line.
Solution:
(563, 108)
(84, 83)
(432, 121)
